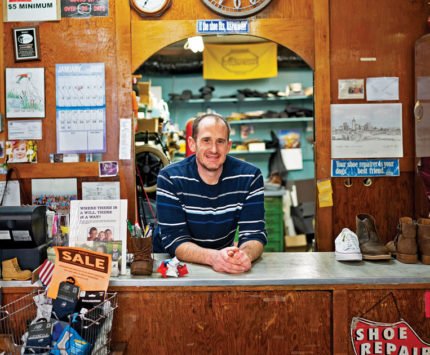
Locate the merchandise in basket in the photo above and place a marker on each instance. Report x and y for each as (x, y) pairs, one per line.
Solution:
(27, 327)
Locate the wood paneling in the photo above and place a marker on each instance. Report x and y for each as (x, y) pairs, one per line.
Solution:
(186, 322)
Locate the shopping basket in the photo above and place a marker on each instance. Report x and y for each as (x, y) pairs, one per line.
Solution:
(95, 327)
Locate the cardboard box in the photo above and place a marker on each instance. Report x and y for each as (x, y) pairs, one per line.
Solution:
(257, 147)
(144, 92)
(147, 124)
(295, 243)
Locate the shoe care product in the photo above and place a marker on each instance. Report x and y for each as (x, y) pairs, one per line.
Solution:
(347, 246)
(404, 246)
(12, 271)
(370, 245)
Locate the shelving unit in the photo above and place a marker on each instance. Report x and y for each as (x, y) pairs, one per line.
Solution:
(236, 100)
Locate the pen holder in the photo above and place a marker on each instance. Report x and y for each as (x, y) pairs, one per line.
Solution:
(143, 261)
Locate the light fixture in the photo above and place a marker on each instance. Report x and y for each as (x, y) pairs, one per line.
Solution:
(195, 44)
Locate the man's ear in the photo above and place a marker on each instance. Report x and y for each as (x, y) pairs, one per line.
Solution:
(229, 145)
(192, 144)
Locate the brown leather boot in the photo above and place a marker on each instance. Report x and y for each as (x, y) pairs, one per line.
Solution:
(405, 242)
(424, 239)
(370, 244)
(143, 262)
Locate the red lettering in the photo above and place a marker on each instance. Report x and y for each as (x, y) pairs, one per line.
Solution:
(84, 8)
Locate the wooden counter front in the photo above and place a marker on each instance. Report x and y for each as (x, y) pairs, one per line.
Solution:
(289, 303)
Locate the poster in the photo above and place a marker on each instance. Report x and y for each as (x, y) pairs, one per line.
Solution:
(90, 270)
(31, 10)
(366, 131)
(25, 92)
(84, 8)
(81, 108)
(21, 151)
(100, 225)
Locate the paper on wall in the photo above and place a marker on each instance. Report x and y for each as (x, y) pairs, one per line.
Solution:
(382, 89)
(292, 158)
(12, 195)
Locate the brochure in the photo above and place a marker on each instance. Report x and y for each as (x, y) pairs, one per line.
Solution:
(101, 226)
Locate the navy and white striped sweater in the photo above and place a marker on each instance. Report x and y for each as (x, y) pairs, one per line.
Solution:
(189, 210)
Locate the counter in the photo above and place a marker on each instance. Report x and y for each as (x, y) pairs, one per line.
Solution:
(289, 303)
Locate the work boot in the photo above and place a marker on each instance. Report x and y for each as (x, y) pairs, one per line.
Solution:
(142, 263)
(370, 244)
(12, 271)
(424, 239)
(404, 246)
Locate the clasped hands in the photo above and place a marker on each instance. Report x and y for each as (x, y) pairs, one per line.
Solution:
(231, 260)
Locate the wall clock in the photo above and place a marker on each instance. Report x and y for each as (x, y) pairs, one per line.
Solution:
(150, 7)
(236, 8)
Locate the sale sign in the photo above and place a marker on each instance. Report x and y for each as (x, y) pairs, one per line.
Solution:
(369, 337)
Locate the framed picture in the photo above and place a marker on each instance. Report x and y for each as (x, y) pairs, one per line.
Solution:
(25, 92)
(108, 168)
(26, 43)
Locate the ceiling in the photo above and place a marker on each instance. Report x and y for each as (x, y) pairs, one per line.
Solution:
(174, 59)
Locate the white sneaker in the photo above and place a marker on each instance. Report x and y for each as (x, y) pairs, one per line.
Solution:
(347, 246)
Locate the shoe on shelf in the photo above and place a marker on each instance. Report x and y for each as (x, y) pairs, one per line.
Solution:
(370, 245)
(404, 246)
(12, 271)
(347, 246)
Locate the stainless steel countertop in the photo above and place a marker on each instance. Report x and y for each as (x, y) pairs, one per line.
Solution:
(282, 269)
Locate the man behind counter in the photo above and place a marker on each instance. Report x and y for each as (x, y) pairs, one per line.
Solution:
(204, 198)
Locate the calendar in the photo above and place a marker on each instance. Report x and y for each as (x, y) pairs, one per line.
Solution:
(81, 108)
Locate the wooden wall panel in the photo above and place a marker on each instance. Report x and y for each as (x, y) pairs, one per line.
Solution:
(260, 322)
(366, 29)
(387, 199)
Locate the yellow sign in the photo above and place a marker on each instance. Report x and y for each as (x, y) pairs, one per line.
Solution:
(240, 61)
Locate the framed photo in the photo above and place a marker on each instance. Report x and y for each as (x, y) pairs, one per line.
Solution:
(25, 92)
(26, 43)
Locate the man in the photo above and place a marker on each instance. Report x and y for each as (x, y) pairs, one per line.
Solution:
(204, 198)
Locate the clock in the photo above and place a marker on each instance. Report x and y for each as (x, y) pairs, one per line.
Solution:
(150, 7)
(236, 8)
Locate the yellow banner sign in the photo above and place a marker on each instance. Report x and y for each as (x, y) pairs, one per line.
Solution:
(240, 61)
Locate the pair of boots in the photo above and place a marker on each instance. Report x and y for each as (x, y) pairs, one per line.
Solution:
(370, 245)
(142, 262)
(12, 271)
(411, 239)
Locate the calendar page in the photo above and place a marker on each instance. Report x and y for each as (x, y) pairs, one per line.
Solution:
(81, 108)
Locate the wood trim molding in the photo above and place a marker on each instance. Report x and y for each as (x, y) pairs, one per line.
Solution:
(322, 148)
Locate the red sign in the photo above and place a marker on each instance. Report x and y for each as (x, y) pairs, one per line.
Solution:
(369, 337)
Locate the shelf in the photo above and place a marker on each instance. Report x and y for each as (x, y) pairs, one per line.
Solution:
(271, 120)
(243, 152)
(236, 100)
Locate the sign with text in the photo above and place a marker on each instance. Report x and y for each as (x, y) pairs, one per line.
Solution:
(84, 8)
(369, 337)
(222, 26)
(365, 167)
(31, 10)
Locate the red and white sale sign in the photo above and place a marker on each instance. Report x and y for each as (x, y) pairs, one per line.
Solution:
(369, 337)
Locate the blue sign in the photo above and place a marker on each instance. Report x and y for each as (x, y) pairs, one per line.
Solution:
(365, 167)
(222, 26)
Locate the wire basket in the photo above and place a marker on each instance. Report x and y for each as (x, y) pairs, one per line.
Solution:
(95, 328)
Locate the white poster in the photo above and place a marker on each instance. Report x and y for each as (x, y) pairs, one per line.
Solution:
(366, 131)
(101, 226)
(31, 10)
(28, 129)
(25, 92)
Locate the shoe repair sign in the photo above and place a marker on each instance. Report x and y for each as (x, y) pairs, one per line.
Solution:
(364, 167)
(369, 337)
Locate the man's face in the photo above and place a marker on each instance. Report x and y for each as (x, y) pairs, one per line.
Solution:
(211, 145)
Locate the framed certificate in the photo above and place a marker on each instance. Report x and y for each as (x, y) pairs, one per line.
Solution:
(26, 43)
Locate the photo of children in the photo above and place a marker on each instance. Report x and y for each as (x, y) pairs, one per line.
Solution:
(114, 248)
(54, 193)
(100, 234)
(21, 151)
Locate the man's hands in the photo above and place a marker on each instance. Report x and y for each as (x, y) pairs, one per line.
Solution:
(232, 260)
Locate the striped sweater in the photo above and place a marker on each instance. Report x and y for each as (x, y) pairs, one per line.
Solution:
(189, 210)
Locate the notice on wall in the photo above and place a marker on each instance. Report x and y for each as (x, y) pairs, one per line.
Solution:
(365, 167)
(84, 8)
(81, 108)
(29, 129)
(31, 10)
